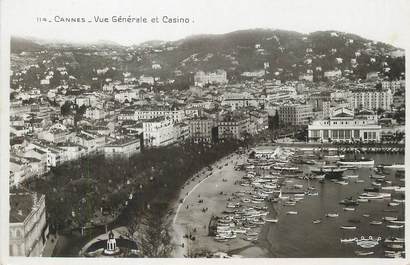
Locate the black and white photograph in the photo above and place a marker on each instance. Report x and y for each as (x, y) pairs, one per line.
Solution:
(204, 129)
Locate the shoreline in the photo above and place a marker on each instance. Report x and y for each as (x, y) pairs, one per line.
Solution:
(215, 192)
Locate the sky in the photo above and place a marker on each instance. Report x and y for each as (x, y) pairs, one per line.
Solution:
(381, 20)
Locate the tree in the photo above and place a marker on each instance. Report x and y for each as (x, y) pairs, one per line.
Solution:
(66, 108)
(379, 111)
(274, 121)
(82, 110)
(154, 237)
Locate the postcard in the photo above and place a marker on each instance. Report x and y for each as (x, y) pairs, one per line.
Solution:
(195, 130)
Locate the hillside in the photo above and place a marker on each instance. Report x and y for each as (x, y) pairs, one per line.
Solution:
(18, 45)
(287, 54)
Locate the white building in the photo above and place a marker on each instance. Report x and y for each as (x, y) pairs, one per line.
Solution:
(126, 96)
(152, 112)
(93, 143)
(83, 101)
(72, 151)
(254, 74)
(28, 226)
(124, 148)
(146, 79)
(342, 126)
(394, 86)
(54, 135)
(306, 77)
(237, 101)
(94, 113)
(295, 114)
(200, 129)
(372, 99)
(55, 155)
(333, 74)
(159, 132)
(219, 77)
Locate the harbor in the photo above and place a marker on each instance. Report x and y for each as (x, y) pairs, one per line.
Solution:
(292, 202)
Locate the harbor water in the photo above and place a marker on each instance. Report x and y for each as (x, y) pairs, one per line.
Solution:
(297, 236)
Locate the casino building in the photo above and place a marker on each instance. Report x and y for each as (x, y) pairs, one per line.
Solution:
(342, 126)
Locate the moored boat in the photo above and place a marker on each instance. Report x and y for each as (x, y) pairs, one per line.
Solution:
(394, 240)
(333, 157)
(376, 184)
(394, 166)
(362, 162)
(371, 196)
(332, 215)
(393, 254)
(349, 202)
(349, 209)
(397, 200)
(363, 253)
(348, 240)
(397, 222)
(329, 171)
(394, 226)
(395, 246)
(342, 182)
(249, 238)
(348, 227)
(390, 218)
(271, 220)
(400, 189)
(320, 177)
(369, 242)
(389, 187)
(372, 189)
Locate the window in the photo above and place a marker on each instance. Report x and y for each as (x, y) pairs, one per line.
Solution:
(341, 134)
(325, 134)
(18, 233)
(356, 134)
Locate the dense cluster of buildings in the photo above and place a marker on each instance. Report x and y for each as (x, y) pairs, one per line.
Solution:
(52, 122)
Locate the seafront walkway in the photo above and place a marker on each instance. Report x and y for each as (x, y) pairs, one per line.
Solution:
(201, 200)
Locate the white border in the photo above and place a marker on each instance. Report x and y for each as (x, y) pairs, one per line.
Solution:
(4, 169)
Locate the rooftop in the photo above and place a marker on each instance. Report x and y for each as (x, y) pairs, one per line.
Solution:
(157, 119)
(21, 205)
(123, 142)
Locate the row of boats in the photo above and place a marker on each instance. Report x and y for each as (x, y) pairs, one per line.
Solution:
(382, 189)
(394, 245)
(246, 211)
